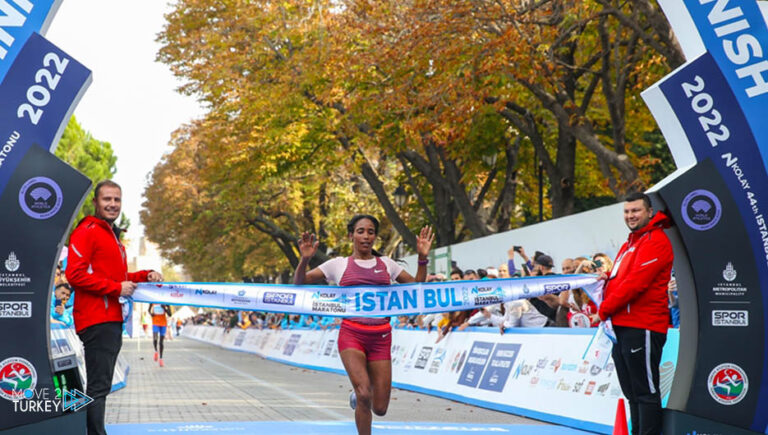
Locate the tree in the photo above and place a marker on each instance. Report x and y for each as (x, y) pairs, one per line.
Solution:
(321, 107)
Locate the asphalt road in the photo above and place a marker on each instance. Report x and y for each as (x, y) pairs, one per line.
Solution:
(205, 383)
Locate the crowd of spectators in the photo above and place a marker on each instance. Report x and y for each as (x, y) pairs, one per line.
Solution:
(571, 308)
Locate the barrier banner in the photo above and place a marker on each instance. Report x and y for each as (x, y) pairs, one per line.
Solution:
(355, 301)
(533, 372)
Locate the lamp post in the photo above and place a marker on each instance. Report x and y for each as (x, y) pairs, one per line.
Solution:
(401, 196)
(490, 159)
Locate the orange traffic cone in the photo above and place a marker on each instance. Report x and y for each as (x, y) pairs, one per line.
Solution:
(620, 424)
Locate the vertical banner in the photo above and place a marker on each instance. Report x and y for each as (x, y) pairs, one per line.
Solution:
(37, 207)
(713, 112)
(39, 197)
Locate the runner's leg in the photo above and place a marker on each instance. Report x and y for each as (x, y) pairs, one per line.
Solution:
(355, 363)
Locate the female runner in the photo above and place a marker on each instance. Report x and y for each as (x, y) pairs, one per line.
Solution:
(364, 342)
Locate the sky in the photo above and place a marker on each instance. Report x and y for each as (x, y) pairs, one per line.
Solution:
(132, 102)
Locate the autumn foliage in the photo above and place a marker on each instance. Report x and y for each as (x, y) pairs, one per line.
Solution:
(321, 109)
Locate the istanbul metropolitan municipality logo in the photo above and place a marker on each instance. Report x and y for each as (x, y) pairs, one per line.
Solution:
(17, 375)
(701, 210)
(40, 198)
(729, 273)
(728, 384)
(12, 263)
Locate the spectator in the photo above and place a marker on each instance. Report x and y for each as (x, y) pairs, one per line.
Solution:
(520, 313)
(60, 312)
(456, 274)
(674, 309)
(526, 266)
(603, 262)
(504, 271)
(568, 266)
(470, 275)
(492, 273)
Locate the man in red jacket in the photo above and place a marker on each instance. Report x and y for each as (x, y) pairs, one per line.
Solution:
(636, 301)
(98, 273)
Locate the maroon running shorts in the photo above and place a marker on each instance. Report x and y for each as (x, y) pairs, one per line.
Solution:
(375, 341)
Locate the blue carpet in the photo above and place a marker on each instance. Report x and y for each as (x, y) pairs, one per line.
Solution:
(334, 427)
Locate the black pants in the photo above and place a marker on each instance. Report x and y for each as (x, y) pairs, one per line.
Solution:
(102, 344)
(637, 354)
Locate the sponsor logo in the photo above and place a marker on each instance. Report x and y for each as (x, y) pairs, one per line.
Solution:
(526, 369)
(205, 292)
(579, 320)
(563, 386)
(727, 384)
(701, 210)
(729, 273)
(40, 198)
(730, 318)
(602, 389)
(177, 294)
(557, 287)
(17, 376)
(12, 263)
(45, 401)
(240, 301)
(241, 293)
(15, 309)
(487, 295)
(277, 298)
(13, 279)
(729, 287)
(540, 364)
(595, 370)
(577, 386)
(437, 360)
(329, 302)
(421, 362)
(555, 364)
(590, 388)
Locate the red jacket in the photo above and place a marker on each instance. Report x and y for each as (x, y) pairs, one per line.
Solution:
(96, 267)
(636, 292)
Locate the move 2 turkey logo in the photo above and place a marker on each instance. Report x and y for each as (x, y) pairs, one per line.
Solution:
(701, 210)
(40, 198)
(728, 384)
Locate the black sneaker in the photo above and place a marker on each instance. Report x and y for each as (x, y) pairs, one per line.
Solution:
(352, 400)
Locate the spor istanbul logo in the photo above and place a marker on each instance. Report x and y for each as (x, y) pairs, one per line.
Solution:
(17, 375)
(728, 384)
(701, 210)
(40, 198)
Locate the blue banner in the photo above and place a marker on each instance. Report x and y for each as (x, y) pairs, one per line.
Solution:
(19, 19)
(39, 94)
